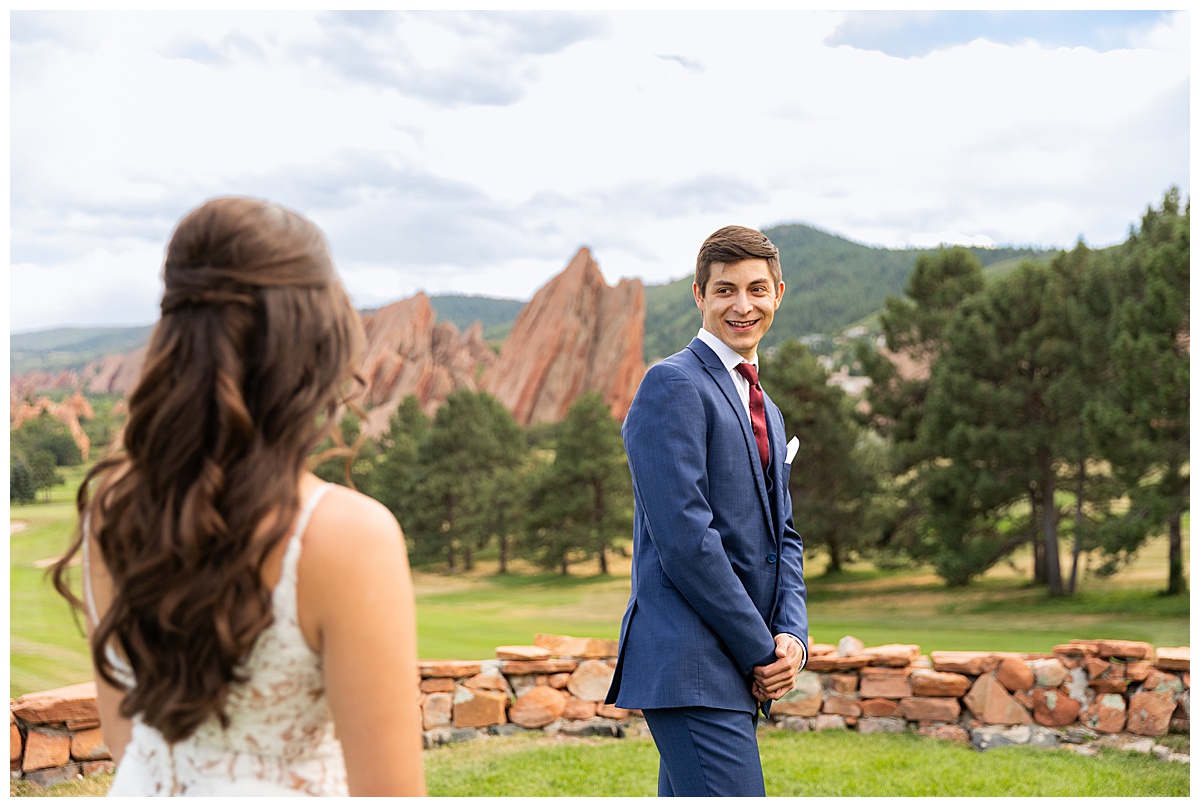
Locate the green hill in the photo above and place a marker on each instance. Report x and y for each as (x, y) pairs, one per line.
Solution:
(490, 312)
(71, 348)
(831, 284)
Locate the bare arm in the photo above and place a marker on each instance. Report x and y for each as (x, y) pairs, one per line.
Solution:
(115, 728)
(356, 585)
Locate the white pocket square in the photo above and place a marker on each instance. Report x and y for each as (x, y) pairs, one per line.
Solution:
(792, 447)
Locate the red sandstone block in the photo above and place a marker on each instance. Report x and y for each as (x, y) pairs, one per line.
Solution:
(838, 705)
(1105, 714)
(45, 748)
(449, 669)
(893, 655)
(1150, 714)
(436, 685)
(88, 745)
(523, 652)
(1137, 671)
(591, 680)
(538, 707)
(886, 686)
(931, 710)
(1173, 658)
(989, 701)
(577, 709)
(881, 707)
(1015, 675)
(1122, 649)
(15, 744)
(929, 683)
(476, 709)
(1055, 707)
(844, 683)
(968, 663)
(549, 666)
(833, 663)
(77, 702)
(491, 681)
(437, 710)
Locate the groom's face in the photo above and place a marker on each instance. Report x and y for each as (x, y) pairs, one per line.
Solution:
(739, 303)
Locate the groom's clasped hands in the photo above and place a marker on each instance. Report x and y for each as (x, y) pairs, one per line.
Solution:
(773, 681)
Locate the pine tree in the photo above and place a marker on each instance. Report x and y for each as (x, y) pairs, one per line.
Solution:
(473, 439)
(835, 480)
(582, 502)
(1142, 420)
(396, 471)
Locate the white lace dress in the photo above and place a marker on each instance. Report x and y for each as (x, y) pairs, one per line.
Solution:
(279, 741)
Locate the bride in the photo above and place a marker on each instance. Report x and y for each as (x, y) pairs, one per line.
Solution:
(252, 629)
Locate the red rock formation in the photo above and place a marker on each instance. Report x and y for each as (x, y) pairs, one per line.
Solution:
(116, 374)
(577, 334)
(408, 353)
(69, 412)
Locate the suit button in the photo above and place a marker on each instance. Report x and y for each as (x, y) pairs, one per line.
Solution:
(771, 558)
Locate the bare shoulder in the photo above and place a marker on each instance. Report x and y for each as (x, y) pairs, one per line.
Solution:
(350, 530)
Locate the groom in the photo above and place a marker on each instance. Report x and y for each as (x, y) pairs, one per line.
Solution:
(716, 625)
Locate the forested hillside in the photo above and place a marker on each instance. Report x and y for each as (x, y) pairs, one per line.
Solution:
(71, 348)
(496, 316)
(831, 283)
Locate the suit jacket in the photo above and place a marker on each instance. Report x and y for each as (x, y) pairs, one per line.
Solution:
(717, 563)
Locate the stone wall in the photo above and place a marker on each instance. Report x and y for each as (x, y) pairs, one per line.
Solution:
(1083, 695)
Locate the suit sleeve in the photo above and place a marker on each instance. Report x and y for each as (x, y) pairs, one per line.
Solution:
(791, 609)
(666, 442)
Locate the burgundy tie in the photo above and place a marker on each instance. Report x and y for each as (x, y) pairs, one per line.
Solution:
(758, 412)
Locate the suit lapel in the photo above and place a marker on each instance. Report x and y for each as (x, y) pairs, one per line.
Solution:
(724, 382)
(778, 458)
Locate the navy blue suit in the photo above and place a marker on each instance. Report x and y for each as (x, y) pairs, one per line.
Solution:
(718, 568)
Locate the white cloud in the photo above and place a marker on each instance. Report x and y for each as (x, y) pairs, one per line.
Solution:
(477, 153)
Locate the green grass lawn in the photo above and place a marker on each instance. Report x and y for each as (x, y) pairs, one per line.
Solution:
(829, 763)
(467, 616)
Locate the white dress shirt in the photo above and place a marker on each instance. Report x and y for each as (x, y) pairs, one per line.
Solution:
(731, 359)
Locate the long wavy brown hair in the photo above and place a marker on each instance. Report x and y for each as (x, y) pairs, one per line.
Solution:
(243, 378)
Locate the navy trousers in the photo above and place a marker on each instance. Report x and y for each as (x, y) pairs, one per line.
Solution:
(706, 752)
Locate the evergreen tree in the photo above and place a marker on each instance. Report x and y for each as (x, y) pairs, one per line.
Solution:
(44, 472)
(21, 487)
(582, 502)
(994, 424)
(396, 471)
(1142, 420)
(835, 480)
(473, 439)
(914, 333)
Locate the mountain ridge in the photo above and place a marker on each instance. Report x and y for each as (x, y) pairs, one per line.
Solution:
(830, 282)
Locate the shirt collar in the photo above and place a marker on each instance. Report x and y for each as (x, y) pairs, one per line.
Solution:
(728, 356)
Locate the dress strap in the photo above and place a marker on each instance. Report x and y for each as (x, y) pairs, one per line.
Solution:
(285, 589)
(88, 597)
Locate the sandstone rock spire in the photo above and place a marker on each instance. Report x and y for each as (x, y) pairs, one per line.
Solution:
(577, 334)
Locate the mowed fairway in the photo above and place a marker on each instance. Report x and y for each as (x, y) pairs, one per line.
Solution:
(468, 615)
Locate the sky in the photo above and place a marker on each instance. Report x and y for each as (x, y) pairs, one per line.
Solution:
(476, 152)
